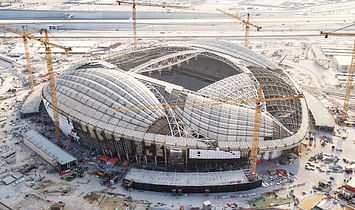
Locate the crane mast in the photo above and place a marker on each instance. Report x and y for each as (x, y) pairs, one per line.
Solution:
(28, 61)
(134, 19)
(349, 85)
(134, 14)
(246, 40)
(247, 25)
(53, 92)
(27, 52)
(350, 79)
(255, 144)
(48, 46)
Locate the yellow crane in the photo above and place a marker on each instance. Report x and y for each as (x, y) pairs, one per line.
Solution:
(246, 22)
(48, 51)
(27, 53)
(134, 16)
(28, 61)
(350, 79)
(257, 118)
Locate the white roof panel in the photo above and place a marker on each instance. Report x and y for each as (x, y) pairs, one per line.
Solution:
(52, 150)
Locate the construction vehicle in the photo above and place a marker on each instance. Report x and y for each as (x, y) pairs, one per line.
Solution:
(247, 25)
(48, 46)
(100, 173)
(258, 110)
(134, 16)
(349, 82)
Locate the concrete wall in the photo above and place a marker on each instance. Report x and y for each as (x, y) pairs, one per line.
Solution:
(197, 189)
(94, 15)
(62, 15)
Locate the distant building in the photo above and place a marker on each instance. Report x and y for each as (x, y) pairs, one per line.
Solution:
(343, 63)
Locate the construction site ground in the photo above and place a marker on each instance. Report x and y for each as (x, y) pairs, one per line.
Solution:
(282, 34)
(311, 201)
(269, 201)
(88, 192)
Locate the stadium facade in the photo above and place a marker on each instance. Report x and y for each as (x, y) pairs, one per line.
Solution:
(117, 106)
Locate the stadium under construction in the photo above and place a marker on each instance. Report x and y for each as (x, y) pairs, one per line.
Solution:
(155, 107)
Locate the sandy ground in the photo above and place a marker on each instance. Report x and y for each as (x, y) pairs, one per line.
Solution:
(310, 202)
(304, 72)
(15, 196)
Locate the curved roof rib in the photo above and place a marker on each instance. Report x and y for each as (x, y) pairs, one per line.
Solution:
(96, 94)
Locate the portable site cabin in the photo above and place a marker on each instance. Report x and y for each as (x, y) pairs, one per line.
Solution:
(343, 63)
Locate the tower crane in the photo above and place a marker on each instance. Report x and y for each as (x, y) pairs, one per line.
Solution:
(350, 79)
(27, 53)
(246, 22)
(257, 117)
(134, 16)
(48, 51)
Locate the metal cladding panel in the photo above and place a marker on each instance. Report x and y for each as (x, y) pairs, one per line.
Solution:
(129, 133)
(119, 130)
(113, 121)
(160, 139)
(138, 134)
(190, 142)
(223, 145)
(269, 144)
(246, 56)
(201, 145)
(170, 140)
(213, 154)
(101, 125)
(110, 127)
(262, 145)
(212, 122)
(180, 142)
(231, 138)
(141, 129)
(83, 118)
(90, 86)
(150, 137)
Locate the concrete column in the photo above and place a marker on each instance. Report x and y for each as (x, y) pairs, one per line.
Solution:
(118, 154)
(186, 157)
(166, 160)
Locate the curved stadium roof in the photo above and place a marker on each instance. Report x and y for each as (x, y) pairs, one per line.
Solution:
(197, 72)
